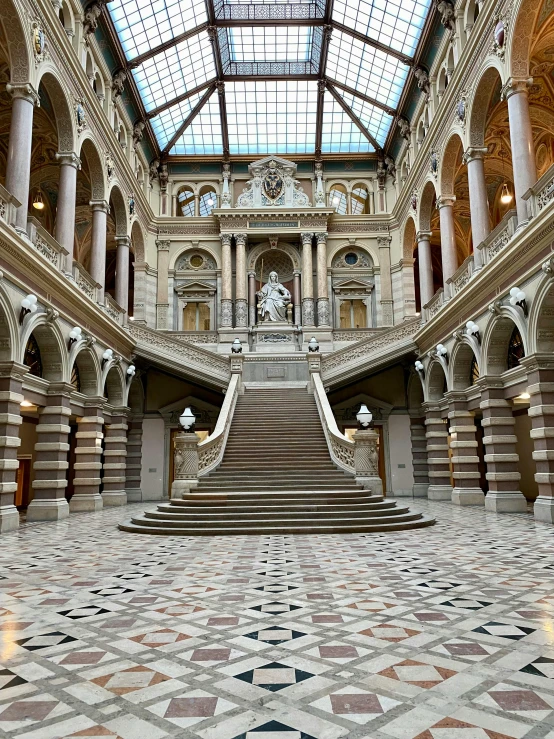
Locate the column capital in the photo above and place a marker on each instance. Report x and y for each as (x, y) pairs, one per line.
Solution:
(474, 152)
(100, 205)
(123, 241)
(515, 86)
(68, 159)
(240, 239)
(296, 272)
(423, 236)
(307, 238)
(445, 201)
(321, 237)
(25, 91)
(225, 239)
(163, 244)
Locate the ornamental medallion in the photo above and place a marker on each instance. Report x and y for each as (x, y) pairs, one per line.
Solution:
(273, 184)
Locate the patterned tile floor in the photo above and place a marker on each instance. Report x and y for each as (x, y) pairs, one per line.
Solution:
(441, 633)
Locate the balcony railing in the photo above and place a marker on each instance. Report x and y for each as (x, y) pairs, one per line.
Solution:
(46, 244)
(113, 309)
(85, 282)
(461, 276)
(499, 237)
(8, 204)
(541, 195)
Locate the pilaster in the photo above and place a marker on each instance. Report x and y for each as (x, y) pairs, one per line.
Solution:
(11, 380)
(440, 487)
(134, 460)
(419, 457)
(115, 455)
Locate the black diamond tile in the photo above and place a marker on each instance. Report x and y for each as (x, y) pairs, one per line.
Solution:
(542, 667)
(504, 631)
(262, 677)
(44, 641)
(275, 635)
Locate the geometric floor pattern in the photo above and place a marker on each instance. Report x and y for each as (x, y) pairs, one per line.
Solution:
(437, 633)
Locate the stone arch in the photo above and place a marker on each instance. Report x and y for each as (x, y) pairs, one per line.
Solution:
(408, 239)
(525, 14)
(349, 245)
(496, 339)
(135, 396)
(114, 385)
(137, 240)
(426, 204)
(52, 347)
(205, 249)
(118, 206)
(282, 246)
(89, 368)
(9, 330)
(89, 150)
(15, 24)
(541, 318)
(480, 100)
(415, 393)
(460, 364)
(448, 163)
(63, 111)
(436, 383)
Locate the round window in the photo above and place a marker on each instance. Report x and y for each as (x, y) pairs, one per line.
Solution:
(351, 258)
(196, 261)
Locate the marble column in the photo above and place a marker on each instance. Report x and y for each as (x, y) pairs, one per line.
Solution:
(65, 212)
(540, 375)
(241, 307)
(307, 281)
(226, 282)
(18, 164)
(162, 294)
(134, 460)
(501, 457)
(11, 380)
(122, 272)
(100, 210)
(387, 318)
(440, 487)
(419, 457)
(448, 237)
(478, 200)
(51, 463)
(252, 310)
(425, 264)
(323, 314)
(88, 458)
(297, 298)
(115, 454)
(521, 139)
(465, 461)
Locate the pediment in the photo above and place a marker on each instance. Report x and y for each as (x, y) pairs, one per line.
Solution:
(347, 409)
(269, 161)
(353, 284)
(196, 287)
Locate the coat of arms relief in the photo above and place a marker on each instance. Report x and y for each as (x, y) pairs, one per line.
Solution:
(273, 183)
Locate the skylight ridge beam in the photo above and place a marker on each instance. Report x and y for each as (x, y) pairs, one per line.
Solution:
(223, 118)
(354, 118)
(189, 119)
(175, 101)
(141, 58)
(361, 96)
(270, 77)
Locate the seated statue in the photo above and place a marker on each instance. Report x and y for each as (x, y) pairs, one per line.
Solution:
(273, 300)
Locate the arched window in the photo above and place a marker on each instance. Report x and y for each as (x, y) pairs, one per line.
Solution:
(360, 200)
(185, 198)
(32, 357)
(473, 371)
(76, 378)
(338, 200)
(516, 350)
(208, 200)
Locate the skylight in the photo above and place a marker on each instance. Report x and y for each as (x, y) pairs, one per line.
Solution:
(266, 56)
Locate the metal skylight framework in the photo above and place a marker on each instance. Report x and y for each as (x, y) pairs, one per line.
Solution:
(231, 77)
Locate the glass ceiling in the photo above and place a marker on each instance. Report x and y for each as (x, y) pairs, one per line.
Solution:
(268, 54)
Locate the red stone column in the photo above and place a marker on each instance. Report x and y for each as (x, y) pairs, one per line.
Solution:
(11, 380)
(465, 461)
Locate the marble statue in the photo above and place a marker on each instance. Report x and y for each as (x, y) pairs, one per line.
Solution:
(273, 300)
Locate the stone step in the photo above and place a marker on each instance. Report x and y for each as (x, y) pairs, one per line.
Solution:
(252, 523)
(254, 487)
(279, 497)
(222, 508)
(254, 518)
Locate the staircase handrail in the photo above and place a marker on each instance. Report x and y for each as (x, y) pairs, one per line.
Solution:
(340, 447)
(212, 449)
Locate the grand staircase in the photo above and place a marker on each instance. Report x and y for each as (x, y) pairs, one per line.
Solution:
(276, 477)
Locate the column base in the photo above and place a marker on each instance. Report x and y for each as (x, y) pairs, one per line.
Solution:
(82, 502)
(9, 518)
(55, 509)
(420, 489)
(544, 509)
(374, 484)
(508, 502)
(134, 495)
(468, 496)
(118, 497)
(439, 492)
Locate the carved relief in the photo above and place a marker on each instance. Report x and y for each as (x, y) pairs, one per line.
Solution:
(273, 183)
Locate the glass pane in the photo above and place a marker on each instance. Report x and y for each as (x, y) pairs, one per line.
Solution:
(270, 43)
(337, 200)
(185, 203)
(359, 314)
(166, 123)
(144, 24)
(203, 317)
(374, 119)
(397, 24)
(360, 203)
(345, 314)
(271, 117)
(366, 69)
(338, 132)
(174, 71)
(208, 201)
(203, 136)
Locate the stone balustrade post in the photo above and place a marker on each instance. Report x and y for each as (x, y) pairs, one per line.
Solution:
(440, 487)
(252, 301)
(162, 294)
(134, 460)
(241, 307)
(419, 457)
(185, 464)
(88, 458)
(18, 161)
(448, 237)
(226, 282)
(307, 281)
(51, 463)
(65, 212)
(11, 380)
(366, 460)
(521, 140)
(100, 210)
(314, 367)
(115, 456)
(501, 457)
(540, 375)
(465, 461)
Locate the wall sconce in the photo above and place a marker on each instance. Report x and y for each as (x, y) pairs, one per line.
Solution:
(76, 334)
(517, 297)
(28, 305)
(419, 368)
(236, 347)
(107, 356)
(364, 417)
(472, 329)
(187, 420)
(313, 345)
(131, 370)
(442, 351)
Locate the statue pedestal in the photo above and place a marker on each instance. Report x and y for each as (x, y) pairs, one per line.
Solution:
(273, 337)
